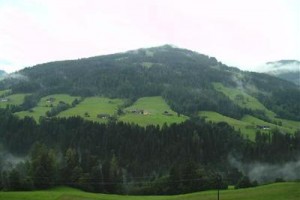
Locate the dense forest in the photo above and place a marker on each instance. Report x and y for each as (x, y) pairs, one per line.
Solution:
(124, 158)
(183, 77)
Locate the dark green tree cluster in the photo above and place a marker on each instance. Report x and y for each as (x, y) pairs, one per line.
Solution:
(57, 109)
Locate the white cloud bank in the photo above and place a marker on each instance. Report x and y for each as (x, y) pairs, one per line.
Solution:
(241, 33)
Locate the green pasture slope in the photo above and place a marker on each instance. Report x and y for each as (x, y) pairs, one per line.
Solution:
(45, 105)
(90, 107)
(246, 101)
(14, 99)
(246, 128)
(154, 111)
(248, 123)
(288, 126)
(276, 191)
(243, 99)
(4, 92)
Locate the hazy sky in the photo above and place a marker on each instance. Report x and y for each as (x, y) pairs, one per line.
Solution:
(242, 33)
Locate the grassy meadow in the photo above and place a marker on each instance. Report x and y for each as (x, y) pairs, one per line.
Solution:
(4, 92)
(154, 111)
(248, 123)
(246, 101)
(246, 128)
(243, 99)
(45, 105)
(276, 191)
(90, 107)
(14, 99)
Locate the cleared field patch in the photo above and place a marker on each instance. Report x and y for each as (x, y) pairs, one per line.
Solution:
(245, 127)
(4, 92)
(277, 191)
(151, 110)
(45, 105)
(258, 122)
(14, 99)
(243, 99)
(290, 124)
(248, 125)
(94, 108)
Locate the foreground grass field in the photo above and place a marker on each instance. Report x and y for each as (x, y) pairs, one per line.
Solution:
(151, 110)
(277, 191)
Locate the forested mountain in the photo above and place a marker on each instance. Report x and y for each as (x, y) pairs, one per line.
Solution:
(183, 77)
(91, 123)
(285, 69)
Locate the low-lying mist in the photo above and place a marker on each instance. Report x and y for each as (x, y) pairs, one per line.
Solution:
(264, 172)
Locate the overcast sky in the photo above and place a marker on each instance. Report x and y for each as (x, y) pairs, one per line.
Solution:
(241, 33)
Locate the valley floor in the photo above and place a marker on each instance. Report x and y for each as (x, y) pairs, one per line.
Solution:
(277, 191)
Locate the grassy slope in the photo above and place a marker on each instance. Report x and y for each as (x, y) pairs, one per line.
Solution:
(278, 191)
(246, 101)
(154, 107)
(4, 92)
(255, 121)
(250, 102)
(248, 123)
(294, 125)
(15, 99)
(94, 106)
(44, 106)
(246, 128)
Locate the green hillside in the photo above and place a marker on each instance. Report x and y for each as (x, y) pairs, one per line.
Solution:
(151, 110)
(243, 99)
(91, 107)
(154, 110)
(277, 191)
(248, 124)
(14, 99)
(187, 80)
(3, 92)
(45, 105)
(246, 128)
(290, 128)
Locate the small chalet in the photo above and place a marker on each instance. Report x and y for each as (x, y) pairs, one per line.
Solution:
(50, 100)
(263, 127)
(4, 99)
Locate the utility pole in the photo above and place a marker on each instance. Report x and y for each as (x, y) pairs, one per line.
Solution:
(218, 185)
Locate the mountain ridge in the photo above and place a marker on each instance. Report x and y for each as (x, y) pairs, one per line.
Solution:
(184, 78)
(285, 69)
(2, 72)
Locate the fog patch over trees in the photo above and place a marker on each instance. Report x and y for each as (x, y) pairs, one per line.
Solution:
(264, 172)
